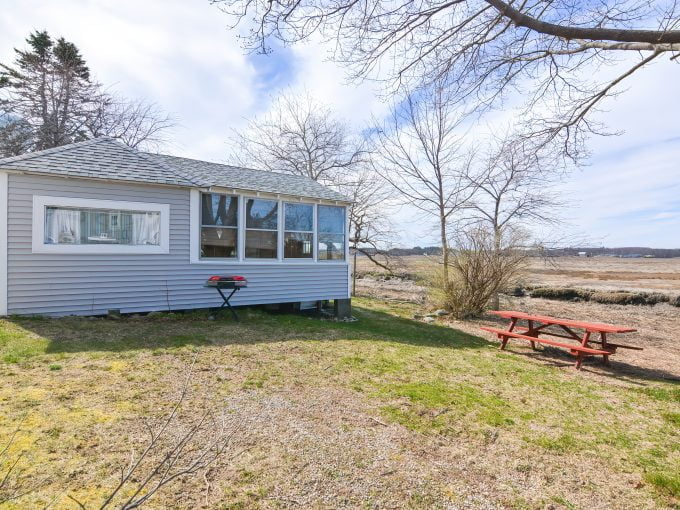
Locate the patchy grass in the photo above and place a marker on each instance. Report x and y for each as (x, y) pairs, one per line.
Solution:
(385, 410)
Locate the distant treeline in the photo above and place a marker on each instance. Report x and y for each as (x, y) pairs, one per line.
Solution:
(628, 252)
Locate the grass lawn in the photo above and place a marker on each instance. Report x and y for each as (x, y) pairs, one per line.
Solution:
(385, 412)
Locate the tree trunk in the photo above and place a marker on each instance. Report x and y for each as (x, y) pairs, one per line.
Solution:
(495, 302)
(445, 248)
(354, 275)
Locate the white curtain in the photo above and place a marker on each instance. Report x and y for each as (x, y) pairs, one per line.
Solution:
(63, 227)
(146, 228)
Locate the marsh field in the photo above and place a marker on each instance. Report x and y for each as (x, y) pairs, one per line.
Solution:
(384, 412)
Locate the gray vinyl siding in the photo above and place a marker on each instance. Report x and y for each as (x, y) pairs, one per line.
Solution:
(63, 284)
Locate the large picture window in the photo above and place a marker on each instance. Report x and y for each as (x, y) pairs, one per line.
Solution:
(331, 232)
(219, 226)
(262, 219)
(80, 225)
(298, 231)
(71, 225)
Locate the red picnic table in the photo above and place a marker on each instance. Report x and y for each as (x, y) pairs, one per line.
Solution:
(538, 324)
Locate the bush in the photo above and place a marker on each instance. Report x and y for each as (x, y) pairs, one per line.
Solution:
(618, 298)
(561, 293)
(477, 272)
(629, 298)
(652, 298)
(675, 301)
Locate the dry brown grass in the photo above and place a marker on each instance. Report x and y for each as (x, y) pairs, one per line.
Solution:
(386, 412)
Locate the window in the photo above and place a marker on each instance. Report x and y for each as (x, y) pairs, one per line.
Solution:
(70, 225)
(219, 226)
(298, 231)
(331, 232)
(261, 228)
(76, 225)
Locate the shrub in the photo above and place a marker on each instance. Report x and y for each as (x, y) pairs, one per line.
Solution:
(618, 298)
(477, 272)
(652, 298)
(629, 298)
(675, 301)
(561, 293)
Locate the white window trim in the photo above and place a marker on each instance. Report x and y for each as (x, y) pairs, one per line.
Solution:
(245, 228)
(196, 226)
(345, 260)
(40, 203)
(284, 232)
(241, 260)
(4, 193)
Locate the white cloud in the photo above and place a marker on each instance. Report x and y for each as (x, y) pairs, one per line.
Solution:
(180, 54)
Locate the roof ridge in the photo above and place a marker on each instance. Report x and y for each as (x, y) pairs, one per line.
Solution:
(288, 174)
(53, 150)
(146, 156)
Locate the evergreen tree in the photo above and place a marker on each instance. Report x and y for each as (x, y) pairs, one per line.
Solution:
(48, 98)
(49, 90)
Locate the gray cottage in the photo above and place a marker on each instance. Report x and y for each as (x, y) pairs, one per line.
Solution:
(94, 226)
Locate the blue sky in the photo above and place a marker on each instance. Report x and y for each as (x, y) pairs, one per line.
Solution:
(182, 55)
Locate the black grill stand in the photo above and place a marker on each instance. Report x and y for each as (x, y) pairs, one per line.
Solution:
(228, 286)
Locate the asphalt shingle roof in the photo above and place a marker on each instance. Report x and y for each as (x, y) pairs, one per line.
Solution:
(227, 176)
(99, 158)
(105, 158)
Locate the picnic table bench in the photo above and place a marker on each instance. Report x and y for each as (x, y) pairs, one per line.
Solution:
(538, 324)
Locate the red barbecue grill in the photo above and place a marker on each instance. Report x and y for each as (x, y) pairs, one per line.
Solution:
(221, 283)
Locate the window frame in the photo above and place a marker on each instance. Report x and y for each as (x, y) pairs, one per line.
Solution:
(240, 239)
(245, 229)
(345, 237)
(244, 195)
(42, 202)
(314, 206)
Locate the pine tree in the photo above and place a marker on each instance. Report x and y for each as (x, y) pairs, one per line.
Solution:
(48, 98)
(49, 91)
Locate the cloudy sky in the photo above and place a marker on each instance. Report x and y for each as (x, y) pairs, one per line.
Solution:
(182, 55)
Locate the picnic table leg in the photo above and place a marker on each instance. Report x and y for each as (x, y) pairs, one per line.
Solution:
(504, 339)
(531, 326)
(584, 343)
(603, 337)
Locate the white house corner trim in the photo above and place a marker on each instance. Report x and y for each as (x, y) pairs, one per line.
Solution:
(194, 227)
(4, 197)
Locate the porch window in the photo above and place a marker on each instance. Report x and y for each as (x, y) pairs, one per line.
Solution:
(262, 219)
(298, 231)
(219, 226)
(331, 232)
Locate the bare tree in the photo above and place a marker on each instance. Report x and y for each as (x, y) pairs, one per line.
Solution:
(300, 136)
(420, 154)
(550, 51)
(370, 228)
(514, 187)
(16, 136)
(136, 123)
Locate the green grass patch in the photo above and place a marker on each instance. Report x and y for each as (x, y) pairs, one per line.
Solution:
(668, 483)
(440, 406)
(427, 377)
